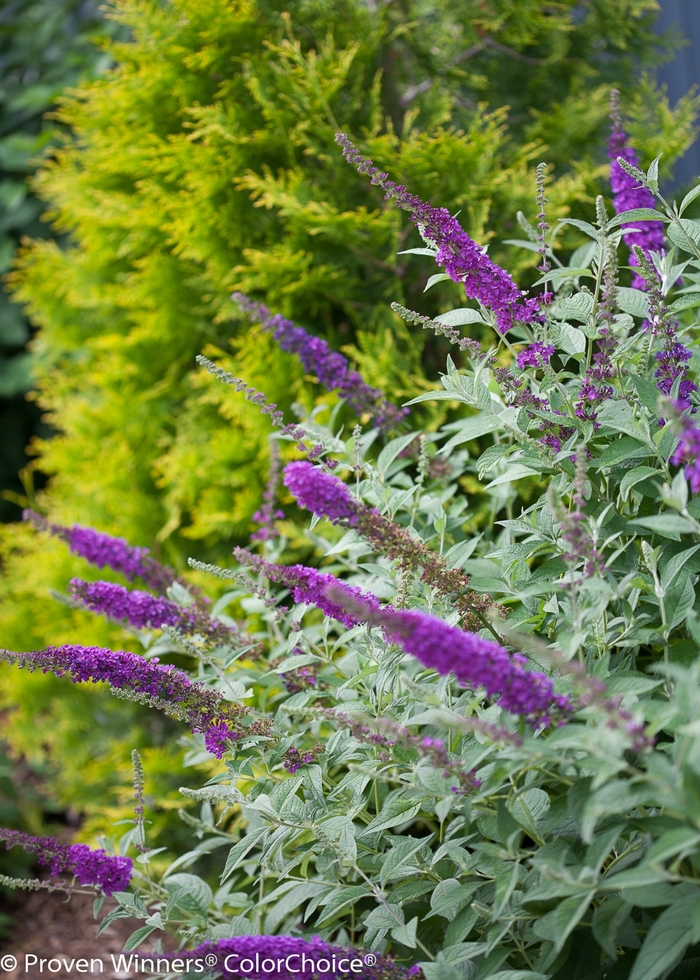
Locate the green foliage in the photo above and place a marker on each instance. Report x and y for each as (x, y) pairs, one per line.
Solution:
(204, 161)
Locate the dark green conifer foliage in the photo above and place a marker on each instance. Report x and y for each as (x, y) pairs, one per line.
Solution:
(205, 162)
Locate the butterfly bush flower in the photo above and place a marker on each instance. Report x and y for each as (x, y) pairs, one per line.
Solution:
(687, 452)
(105, 551)
(328, 496)
(268, 514)
(628, 194)
(160, 685)
(462, 259)
(145, 611)
(536, 355)
(294, 958)
(98, 868)
(472, 659)
(330, 367)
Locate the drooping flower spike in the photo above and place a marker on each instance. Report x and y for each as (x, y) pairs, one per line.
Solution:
(105, 871)
(162, 686)
(462, 259)
(330, 367)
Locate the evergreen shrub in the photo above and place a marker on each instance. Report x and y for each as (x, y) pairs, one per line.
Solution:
(451, 750)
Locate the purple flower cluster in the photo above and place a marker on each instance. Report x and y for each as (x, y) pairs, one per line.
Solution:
(472, 659)
(687, 452)
(294, 958)
(145, 611)
(111, 874)
(320, 492)
(309, 585)
(672, 361)
(203, 709)
(536, 355)
(331, 368)
(628, 194)
(462, 259)
(294, 759)
(105, 551)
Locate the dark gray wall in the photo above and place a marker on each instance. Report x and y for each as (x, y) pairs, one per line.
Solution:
(684, 71)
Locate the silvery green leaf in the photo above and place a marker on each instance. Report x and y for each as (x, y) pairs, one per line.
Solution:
(570, 339)
(438, 277)
(633, 301)
(685, 234)
(457, 318)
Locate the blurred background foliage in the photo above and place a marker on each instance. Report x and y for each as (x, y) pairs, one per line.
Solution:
(196, 156)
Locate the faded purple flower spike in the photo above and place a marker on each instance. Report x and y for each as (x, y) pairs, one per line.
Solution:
(105, 551)
(472, 659)
(160, 685)
(331, 368)
(268, 514)
(98, 868)
(462, 259)
(294, 958)
(628, 194)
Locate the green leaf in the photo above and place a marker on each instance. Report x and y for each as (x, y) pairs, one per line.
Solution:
(671, 843)
(516, 471)
(472, 428)
(668, 938)
(529, 808)
(632, 477)
(239, 850)
(667, 525)
(690, 230)
(136, 938)
(341, 897)
(438, 277)
(406, 934)
(689, 198)
(576, 307)
(519, 975)
(636, 214)
(675, 564)
(392, 450)
(457, 318)
(648, 393)
(607, 921)
(450, 896)
(196, 889)
(435, 396)
(392, 814)
(684, 302)
(561, 921)
(557, 274)
(570, 339)
(402, 848)
(621, 449)
(633, 301)
(432, 252)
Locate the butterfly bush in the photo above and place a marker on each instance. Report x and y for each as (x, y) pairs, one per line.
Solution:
(107, 872)
(442, 718)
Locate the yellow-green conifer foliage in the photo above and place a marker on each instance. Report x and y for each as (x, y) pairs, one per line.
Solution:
(205, 162)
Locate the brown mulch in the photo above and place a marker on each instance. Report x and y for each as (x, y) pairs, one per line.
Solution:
(50, 927)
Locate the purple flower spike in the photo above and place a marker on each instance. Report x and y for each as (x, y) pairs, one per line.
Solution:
(536, 355)
(629, 194)
(105, 551)
(161, 685)
(688, 452)
(472, 659)
(320, 492)
(462, 259)
(331, 368)
(110, 874)
(293, 958)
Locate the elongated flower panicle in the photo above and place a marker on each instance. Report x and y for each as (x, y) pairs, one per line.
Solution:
(328, 496)
(98, 868)
(628, 194)
(330, 367)
(309, 585)
(322, 493)
(106, 551)
(145, 611)
(160, 685)
(536, 355)
(687, 452)
(294, 958)
(472, 659)
(462, 259)
(268, 513)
